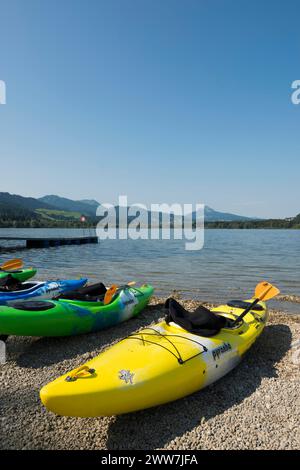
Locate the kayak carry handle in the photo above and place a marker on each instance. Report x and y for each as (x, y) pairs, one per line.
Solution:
(81, 371)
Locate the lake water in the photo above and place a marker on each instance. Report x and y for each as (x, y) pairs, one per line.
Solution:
(231, 263)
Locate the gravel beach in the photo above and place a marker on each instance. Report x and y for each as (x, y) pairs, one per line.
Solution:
(256, 406)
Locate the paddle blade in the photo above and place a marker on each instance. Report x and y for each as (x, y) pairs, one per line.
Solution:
(12, 265)
(265, 291)
(110, 293)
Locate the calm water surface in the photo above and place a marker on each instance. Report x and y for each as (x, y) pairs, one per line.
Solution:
(229, 265)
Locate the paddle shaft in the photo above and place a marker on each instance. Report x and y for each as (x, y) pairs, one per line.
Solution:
(260, 294)
(247, 310)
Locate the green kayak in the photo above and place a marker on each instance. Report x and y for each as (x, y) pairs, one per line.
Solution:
(74, 313)
(21, 274)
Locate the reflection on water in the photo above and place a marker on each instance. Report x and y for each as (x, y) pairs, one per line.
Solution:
(229, 265)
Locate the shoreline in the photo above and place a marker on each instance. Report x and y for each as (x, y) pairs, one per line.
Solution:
(256, 406)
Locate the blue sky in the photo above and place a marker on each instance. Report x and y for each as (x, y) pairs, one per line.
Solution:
(164, 101)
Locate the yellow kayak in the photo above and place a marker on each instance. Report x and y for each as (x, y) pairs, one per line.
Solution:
(161, 363)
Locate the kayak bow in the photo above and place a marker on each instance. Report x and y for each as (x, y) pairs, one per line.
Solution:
(160, 363)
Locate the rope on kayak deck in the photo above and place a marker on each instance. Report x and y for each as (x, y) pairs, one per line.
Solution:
(157, 333)
(138, 291)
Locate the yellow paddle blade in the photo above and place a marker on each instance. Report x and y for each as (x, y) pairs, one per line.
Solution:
(131, 283)
(265, 291)
(110, 293)
(12, 264)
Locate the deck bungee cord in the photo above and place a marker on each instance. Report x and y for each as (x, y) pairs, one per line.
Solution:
(155, 365)
(166, 336)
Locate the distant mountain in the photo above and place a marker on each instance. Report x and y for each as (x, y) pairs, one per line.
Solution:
(89, 207)
(86, 206)
(19, 211)
(53, 207)
(90, 202)
(296, 219)
(27, 203)
(12, 212)
(210, 215)
(155, 218)
(55, 211)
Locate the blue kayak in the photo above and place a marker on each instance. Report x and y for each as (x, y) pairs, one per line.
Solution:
(42, 290)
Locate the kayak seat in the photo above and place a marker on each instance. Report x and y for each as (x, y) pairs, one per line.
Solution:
(9, 283)
(19, 288)
(244, 305)
(33, 305)
(201, 322)
(91, 293)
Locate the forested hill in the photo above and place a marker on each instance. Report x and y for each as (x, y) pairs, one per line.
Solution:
(56, 211)
(291, 223)
(19, 211)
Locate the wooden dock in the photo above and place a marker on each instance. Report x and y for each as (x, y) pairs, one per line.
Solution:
(50, 242)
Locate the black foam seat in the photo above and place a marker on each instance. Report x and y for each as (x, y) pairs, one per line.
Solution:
(9, 283)
(201, 322)
(242, 304)
(88, 293)
(33, 305)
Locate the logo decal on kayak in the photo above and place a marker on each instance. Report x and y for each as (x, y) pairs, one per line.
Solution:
(52, 286)
(128, 298)
(221, 350)
(126, 375)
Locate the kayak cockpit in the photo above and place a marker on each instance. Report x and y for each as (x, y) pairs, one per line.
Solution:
(205, 322)
(244, 304)
(92, 293)
(12, 286)
(202, 321)
(33, 305)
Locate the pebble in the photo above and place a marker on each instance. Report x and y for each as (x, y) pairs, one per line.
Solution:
(256, 406)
